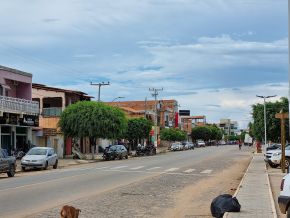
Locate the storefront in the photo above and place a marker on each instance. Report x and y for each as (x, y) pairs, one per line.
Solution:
(16, 131)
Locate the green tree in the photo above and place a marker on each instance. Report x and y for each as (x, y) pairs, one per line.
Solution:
(173, 134)
(138, 129)
(93, 120)
(273, 124)
(201, 132)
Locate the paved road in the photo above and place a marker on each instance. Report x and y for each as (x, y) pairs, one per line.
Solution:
(34, 192)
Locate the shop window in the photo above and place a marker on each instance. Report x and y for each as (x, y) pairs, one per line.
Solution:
(5, 129)
(20, 130)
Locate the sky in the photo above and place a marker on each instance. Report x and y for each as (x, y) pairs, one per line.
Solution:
(212, 56)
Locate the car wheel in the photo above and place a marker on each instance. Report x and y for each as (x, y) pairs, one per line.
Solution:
(55, 165)
(46, 165)
(23, 168)
(273, 165)
(126, 156)
(11, 172)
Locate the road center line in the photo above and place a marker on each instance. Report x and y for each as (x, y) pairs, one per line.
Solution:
(154, 168)
(189, 171)
(136, 168)
(171, 169)
(206, 171)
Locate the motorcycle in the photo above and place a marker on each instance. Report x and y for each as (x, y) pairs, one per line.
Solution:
(145, 150)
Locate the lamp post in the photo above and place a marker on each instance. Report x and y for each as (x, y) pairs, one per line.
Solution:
(265, 123)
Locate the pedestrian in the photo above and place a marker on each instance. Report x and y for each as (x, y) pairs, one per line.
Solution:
(240, 144)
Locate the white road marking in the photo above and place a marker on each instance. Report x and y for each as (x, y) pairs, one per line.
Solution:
(136, 168)
(154, 168)
(171, 169)
(119, 167)
(189, 171)
(100, 168)
(206, 171)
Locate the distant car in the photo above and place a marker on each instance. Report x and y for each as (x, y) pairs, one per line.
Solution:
(115, 151)
(187, 145)
(176, 146)
(200, 143)
(284, 197)
(39, 157)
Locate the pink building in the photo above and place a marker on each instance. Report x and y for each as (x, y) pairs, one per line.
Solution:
(18, 113)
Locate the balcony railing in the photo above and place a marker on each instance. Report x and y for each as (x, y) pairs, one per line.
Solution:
(51, 112)
(17, 105)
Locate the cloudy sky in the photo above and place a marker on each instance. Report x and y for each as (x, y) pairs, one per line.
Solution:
(212, 56)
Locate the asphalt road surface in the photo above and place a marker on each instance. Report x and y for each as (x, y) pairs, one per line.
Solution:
(138, 187)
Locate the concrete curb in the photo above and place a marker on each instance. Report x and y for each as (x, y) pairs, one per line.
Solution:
(271, 195)
(239, 186)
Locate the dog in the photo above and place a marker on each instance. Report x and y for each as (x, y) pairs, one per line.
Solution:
(69, 212)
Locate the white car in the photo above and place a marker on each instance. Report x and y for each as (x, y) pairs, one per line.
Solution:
(284, 197)
(176, 146)
(275, 158)
(200, 143)
(39, 157)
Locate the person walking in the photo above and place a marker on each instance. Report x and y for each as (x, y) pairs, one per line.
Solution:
(240, 144)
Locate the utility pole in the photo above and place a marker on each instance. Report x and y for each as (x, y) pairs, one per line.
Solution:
(154, 94)
(100, 84)
(265, 123)
(282, 116)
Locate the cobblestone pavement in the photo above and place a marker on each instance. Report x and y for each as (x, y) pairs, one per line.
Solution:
(144, 199)
(149, 198)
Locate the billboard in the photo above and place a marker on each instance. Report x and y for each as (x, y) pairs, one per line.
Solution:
(184, 112)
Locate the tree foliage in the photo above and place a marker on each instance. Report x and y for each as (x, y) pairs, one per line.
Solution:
(273, 124)
(206, 133)
(138, 128)
(93, 120)
(173, 134)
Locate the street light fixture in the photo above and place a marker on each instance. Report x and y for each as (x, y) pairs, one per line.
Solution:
(117, 98)
(265, 124)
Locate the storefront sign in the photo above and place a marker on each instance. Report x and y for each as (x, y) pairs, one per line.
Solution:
(29, 120)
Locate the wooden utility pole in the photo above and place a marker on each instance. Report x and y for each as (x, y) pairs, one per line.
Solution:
(282, 116)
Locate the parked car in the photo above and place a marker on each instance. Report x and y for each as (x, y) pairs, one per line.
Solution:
(176, 146)
(284, 197)
(187, 145)
(7, 163)
(273, 157)
(200, 143)
(273, 147)
(39, 157)
(115, 151)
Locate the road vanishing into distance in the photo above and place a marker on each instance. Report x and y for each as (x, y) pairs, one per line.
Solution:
(137, 187)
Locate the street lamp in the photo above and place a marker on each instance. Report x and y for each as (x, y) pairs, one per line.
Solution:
(117, 98)
(265, 124)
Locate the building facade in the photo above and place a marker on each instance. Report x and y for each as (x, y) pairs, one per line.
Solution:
(18, 113)
(52, 101)
(166, 110)
(230, 127)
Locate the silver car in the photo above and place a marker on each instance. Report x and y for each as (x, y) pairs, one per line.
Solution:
(39, 157)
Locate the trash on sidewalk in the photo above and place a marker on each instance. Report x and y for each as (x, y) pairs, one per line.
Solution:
(224, 203)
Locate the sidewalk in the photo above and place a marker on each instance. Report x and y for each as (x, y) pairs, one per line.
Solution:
(254, 192)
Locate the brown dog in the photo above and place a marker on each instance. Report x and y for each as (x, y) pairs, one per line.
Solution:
(69, 212)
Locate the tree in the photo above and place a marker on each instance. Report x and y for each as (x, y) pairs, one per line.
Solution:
(201, 132)
(138, 129)
(273, 124)
(172, 134)
(93, 120)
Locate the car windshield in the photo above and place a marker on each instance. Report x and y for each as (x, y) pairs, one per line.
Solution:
(112, 148)
(37, 151)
